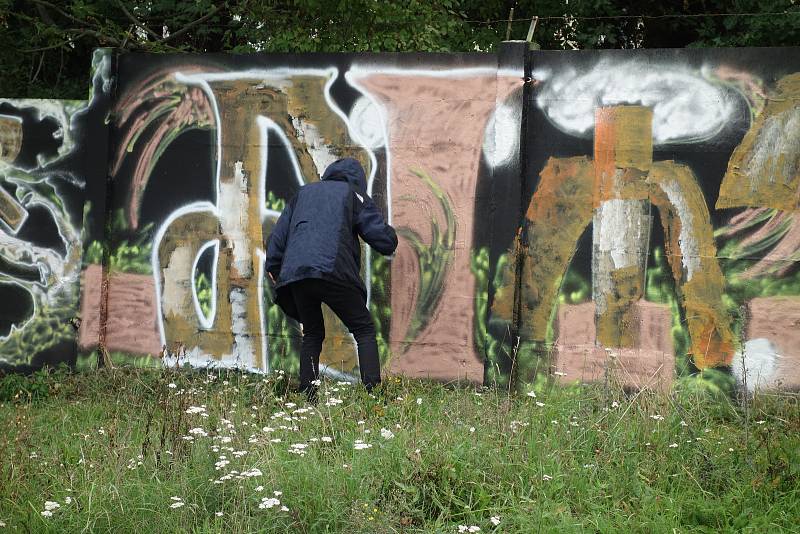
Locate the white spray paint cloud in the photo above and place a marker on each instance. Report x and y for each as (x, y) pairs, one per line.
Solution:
(686, 106)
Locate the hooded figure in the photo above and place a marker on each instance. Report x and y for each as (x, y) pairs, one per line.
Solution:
(314, 256)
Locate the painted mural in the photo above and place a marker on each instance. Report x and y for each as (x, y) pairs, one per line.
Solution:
(52, 171)
(562, 215)
(658, 238)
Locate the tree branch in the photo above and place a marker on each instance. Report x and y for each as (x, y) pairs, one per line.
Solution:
(59, 45)
(64, 13)
(191, 25)
(136, 21)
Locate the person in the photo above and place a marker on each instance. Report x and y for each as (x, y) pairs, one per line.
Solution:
(314, 257)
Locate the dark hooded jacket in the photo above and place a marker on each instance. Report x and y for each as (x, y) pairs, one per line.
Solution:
(317, 234)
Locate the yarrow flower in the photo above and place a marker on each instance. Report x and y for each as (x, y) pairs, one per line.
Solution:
(198, 432)
(177, 502)
(471, 528)
(495, 520)
(360, 445)
(222, 463)
(269, 502)
(51, 505)
(386, 433)
(532, 394)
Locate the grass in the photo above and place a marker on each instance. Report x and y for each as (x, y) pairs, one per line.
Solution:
(112, 449)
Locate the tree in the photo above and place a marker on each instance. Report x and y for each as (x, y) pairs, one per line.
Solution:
(45, 45)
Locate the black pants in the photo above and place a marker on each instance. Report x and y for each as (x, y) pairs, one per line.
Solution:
(348, 303)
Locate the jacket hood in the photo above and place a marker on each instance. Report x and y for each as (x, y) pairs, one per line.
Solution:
(349, 170)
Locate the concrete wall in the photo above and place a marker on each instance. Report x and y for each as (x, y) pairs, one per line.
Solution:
(632, 211)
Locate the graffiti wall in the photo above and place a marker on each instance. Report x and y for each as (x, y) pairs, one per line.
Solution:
(660, 234)
(52, 193)
(207, 150)
(576, 215)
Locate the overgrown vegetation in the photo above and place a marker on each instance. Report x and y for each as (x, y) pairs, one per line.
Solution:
(45, 46)
(170, 451)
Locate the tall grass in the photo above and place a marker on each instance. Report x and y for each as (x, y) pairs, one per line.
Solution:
(189, 451)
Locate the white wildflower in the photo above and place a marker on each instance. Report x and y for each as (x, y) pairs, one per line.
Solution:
(495, 520)
(546, 477)
(360, 445)
(268, 502)
(222, 463)
(673, 445)
(172, 385)
(531, 394)
(386, 433)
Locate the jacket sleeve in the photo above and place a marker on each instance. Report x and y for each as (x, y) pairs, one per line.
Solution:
(276, 246)
(372, 228)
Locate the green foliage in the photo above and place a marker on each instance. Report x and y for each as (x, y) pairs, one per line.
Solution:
(46, 47)
(660, 288)
(17, 388)
(488, 346)
(283, 339)
(203, 288)
(94, 253)
(274, 203)
(131, 255)
(434, 259)
(581, 460)
(49, 327)
(575, 289)
(380, 304)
